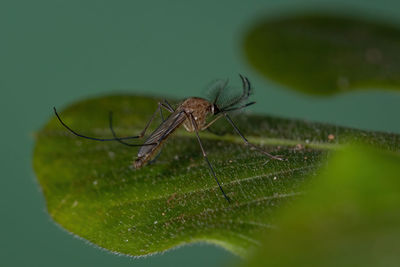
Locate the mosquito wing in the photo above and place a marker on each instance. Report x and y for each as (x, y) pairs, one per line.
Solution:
(162, 132)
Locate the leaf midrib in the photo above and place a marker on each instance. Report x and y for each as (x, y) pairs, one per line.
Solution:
(228, 137)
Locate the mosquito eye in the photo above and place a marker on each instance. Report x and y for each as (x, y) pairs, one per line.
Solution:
(214, 109)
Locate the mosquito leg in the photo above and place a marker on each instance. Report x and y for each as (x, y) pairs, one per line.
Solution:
(115, 136)
(155, 158)
(212, 122)
(88, 137)
(168, 106)
(165, 105)
(207, 127)
(160, 105)
(205, 156)
(246, 141)
(161, 114)
(98, 139)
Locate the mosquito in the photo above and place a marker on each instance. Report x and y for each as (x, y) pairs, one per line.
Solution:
(195, 114)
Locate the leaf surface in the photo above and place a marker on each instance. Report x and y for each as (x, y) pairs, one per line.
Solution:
(92, 190)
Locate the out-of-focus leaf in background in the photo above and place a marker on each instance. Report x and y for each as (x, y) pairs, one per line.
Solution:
(350, 216)
(92, 190)
(324, 54)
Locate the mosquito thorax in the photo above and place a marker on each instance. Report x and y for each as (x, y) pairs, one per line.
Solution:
(199, 108)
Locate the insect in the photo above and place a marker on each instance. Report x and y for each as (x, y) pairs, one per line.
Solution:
(194, 114)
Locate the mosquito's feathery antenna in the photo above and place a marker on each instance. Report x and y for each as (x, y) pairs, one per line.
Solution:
(246, 86)
(94, 138)
(238, 108)
(245, 94)
(193, 121)
(219, 91)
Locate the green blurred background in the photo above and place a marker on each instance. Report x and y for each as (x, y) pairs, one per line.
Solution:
(53, 53)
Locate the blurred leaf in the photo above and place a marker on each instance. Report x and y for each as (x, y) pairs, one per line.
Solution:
(325, 54)
(350, 216)
(92, 191)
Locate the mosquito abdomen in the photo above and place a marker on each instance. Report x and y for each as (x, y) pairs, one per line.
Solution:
(138, 163)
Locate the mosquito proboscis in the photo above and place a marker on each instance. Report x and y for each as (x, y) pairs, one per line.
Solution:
(194, 114)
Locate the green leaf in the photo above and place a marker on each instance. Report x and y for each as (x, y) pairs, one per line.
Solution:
(92, 190)
(325, 54)
(350, 216)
